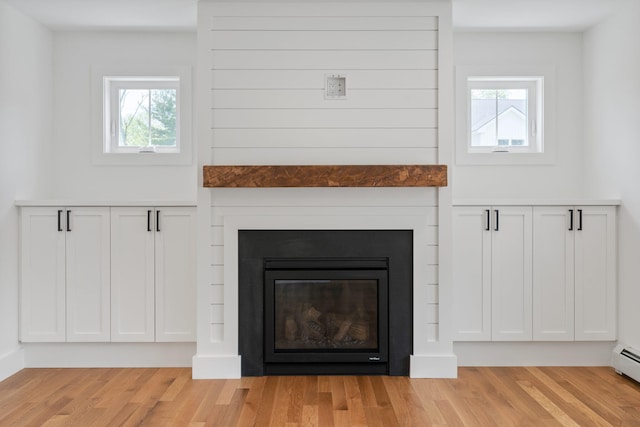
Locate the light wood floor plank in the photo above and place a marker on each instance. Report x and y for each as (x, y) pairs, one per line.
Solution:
(521, 396)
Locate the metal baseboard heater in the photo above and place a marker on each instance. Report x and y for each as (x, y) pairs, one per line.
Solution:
(626, 360)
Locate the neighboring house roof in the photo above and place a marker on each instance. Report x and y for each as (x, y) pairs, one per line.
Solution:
(485, 110)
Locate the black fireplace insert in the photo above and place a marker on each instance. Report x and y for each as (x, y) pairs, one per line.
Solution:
(325, 302)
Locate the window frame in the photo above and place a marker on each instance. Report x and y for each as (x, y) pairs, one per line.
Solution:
(533, 85)
(106, 80)
(540, 80)
(112, 87)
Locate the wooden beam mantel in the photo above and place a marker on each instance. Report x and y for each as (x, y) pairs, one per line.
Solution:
(326, 176)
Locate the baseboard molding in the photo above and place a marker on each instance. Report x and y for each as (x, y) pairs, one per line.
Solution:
(534, 353)
(108, 355)
(433, 366)
(11, 363)
(215, 367)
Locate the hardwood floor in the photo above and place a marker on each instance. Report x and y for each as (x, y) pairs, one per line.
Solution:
(169, 397)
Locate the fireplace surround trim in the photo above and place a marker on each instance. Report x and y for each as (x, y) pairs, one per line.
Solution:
(432, 356)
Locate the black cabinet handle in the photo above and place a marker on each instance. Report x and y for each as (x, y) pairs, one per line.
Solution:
(68, 220)
(157, 220)
(60, 220)
(149, 220)
(579, 219)
(570, 219)
(488, 220)
(497, 220)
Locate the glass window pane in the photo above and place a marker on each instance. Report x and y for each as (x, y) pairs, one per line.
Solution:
(498, 117)
(326, 314)
(483, 117)
(163, 117)
(134, 117)
(512, 115)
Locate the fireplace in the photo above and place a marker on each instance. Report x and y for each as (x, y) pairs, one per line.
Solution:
(325, 301)
(326, 310)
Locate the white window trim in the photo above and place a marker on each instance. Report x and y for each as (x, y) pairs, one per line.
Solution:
(546, 138)
(101, 128)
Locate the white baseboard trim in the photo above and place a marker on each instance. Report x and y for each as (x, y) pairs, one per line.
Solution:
(109, 355)
(11, 363)
(215, 367)
(433, 366)
(534, 353)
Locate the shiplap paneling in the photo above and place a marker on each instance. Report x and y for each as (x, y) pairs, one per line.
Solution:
(324, 23)
(324, 156)
(312, 79)
(268, 76)
(324, 60)
(324, 40)
(314, 118)
(325, 138)
(314, 98)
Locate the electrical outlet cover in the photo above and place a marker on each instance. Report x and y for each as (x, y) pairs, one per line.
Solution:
(335, 87)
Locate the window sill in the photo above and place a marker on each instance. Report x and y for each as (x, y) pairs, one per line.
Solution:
(138, 159)
(504, 158)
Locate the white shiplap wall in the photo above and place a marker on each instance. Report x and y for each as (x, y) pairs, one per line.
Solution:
(268, 74)
(266, 65)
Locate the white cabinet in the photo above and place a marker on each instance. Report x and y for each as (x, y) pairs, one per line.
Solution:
(65, 269)
(511, 281)
(574, 273)
(492, 273)
(544, 273)
(175, 274)
(595, 273)
(553, 274)
(153, 274)
(471, 273)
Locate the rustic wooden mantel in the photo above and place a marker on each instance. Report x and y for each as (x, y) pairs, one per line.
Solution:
(326, 176)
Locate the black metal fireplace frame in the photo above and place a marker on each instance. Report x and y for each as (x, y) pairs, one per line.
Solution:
(254, 246)
(375, 269)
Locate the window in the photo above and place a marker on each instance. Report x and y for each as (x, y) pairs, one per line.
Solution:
(504, 115)
(142, 115)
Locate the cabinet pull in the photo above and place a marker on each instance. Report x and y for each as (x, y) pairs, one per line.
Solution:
(68, 220)
(570, 219)
(149, 220)
(488, 220)
(158, 220)
(497, 220)
(60, 220)
(579, 219)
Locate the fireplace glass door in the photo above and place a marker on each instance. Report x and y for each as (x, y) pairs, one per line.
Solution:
(325, 311)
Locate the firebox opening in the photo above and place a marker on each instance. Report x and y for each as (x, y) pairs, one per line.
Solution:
(326, 310)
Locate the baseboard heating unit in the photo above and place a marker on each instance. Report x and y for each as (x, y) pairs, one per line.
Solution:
(626, 360)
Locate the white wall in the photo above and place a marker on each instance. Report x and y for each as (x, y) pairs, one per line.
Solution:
(612, 144)
(25, 136)
(76, 177)
(564, 178)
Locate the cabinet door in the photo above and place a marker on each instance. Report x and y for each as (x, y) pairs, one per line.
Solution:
(595, 283)
(175, 274)
(511, 277)
(88, 274)
(553, 273)
(471, 273)
(42, 270)
(132, 274)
